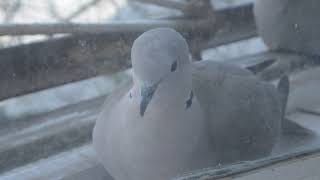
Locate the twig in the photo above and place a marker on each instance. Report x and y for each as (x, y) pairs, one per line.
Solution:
(166, 3)
(82, 8)
(194, 8)
(10, 9)
(76, 13)
(53, 11)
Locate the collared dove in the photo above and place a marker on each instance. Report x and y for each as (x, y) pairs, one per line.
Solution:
(289, 25)
(162, 126)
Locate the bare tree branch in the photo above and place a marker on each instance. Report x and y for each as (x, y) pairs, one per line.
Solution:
(131, 26)
(82, 9)
(53, 11)
(79, 11)
(10, 8)
(193, 8)
(166, 3)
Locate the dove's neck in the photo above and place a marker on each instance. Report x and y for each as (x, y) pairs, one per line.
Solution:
(178, 83)
(174, 89)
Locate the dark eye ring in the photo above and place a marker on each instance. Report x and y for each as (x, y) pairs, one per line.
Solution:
(174, 66)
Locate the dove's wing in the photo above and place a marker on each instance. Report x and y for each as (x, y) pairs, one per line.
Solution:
(99, 134)
(210, 68)
(244, 113)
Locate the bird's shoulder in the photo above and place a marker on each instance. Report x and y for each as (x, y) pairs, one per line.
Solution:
(211, 68)
(114, 98)
(214, 80)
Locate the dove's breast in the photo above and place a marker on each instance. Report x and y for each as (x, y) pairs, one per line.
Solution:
(168, 140)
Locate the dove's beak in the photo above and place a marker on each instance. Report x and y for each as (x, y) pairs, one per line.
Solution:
(146, 96)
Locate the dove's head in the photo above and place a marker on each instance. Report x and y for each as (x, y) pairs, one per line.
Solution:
(155, 55)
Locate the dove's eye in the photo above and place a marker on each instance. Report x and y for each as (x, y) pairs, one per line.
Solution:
(174, 66)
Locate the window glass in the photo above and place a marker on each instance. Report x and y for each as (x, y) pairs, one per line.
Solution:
(159, 89)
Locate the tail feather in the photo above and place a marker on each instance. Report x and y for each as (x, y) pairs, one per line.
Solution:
(283, 89)
(288, 126)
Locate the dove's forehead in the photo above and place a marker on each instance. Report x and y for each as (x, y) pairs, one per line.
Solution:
(159, 39)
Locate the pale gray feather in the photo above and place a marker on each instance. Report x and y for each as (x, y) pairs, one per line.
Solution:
(245, 113)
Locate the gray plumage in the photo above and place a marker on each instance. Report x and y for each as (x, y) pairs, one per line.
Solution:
(244, 113)
(180, 116)
(289, 25)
